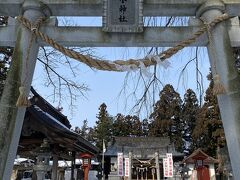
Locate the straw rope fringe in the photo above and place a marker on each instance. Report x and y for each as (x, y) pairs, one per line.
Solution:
(118, 65)
(146, 161)
(218, 87)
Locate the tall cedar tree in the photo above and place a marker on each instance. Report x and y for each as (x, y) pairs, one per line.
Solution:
(90, 135)
(189, 114)
(166, 117)
(103, 128)
(84, 130)
(127, 126)
(145, 127)
(208, 133)
(120, 126)
(135, 125)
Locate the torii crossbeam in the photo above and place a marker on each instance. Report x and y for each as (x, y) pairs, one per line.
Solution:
(15, 35)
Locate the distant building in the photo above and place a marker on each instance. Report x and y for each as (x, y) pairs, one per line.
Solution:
(143, 151)
(200, 166)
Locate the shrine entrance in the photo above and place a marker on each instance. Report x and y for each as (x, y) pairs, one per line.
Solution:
(211, 25)
(145, 169)
(145, 156)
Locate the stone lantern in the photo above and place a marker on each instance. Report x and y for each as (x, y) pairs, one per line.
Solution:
(43, 154)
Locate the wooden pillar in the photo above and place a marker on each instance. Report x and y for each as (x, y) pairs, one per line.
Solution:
(141, 173)
(73, 165)
(153, 173)
(61, 174)
(157, 165)
(11, 117)
(146, 173)
(55, 167)
(130, 165)
(222, 62)
(103, 175)
(137, 172)
(86, 172)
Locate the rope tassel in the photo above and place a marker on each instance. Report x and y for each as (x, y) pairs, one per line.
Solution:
(23, 98)
(218, 88)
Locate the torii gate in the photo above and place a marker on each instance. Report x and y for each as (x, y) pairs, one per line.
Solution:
(15, 35)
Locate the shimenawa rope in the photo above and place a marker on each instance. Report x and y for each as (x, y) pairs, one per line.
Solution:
(106, 65)
(118, 65)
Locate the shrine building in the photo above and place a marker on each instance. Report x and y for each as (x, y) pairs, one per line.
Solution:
(144, 154)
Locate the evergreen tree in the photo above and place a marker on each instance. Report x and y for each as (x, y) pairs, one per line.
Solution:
(90, 135)
(103, 129)
(189, 114)
(120, 126)
(145, 127)
(127, 126)
(84, 130)
(208, 133)
(77, 130)
(166, 117)
(135, 125)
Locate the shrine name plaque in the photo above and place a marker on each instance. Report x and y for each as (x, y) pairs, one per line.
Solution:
(123, 16)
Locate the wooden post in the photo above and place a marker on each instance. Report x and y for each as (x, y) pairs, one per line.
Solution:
(55, 167)
(157, 165)
(130, 165)
(103, 175)
(153, 172)
(86, 172)
(141, 173)
(73, 165)
(86, 164)
(11, 117)
(221, 56)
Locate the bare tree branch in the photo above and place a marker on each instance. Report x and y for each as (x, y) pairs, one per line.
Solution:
(145, 89)
(62, 83)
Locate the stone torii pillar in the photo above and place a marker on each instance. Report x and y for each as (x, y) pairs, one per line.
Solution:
(11, 117)
(221, 55)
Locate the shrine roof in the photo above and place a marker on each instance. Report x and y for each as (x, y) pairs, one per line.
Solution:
(47, 107)
(199, 155)
(143, 147)
(41, 121)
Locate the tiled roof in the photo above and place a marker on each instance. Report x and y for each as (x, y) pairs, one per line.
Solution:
(142, 147)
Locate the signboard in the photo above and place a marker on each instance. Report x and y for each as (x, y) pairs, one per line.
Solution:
(120, 164)
(127, 167)
(123, 16)
(165, 167)
(168, 165)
